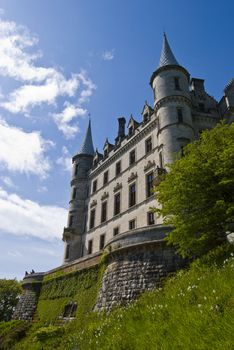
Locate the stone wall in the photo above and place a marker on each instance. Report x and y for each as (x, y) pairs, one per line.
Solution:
(133, 270)
(27, 304)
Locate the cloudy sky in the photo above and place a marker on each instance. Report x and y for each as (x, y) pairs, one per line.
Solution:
(63, 59)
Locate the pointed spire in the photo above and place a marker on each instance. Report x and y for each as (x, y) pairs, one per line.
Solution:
(167, 57)
(87, 145)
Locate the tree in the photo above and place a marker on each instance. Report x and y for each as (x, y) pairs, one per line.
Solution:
(197, 194)
(9, 294)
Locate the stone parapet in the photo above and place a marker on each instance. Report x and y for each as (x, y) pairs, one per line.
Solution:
(137, 262)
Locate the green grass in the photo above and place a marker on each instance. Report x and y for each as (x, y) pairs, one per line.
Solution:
(194, 310)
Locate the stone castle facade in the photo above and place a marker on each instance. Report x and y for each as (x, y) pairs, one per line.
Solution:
(111, 193)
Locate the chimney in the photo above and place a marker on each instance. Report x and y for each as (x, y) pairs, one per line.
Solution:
(121, 131)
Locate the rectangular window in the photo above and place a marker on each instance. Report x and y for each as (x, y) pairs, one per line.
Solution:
(132, 224)
(150, 218)
(94, 186)
(201, 107)
(177, 83)
(149, 184)
(180, 115)
(116, 231)
(160, 160)
(90, 246)
(132, 195)
(118, 168)
(104, 212)
(117, 204)
(71, 219)
(148, 145)
(105, 177)
(102, 241)
(76, 169)
(67, 252)
(74, 193)
(132, 157)
(92, 218)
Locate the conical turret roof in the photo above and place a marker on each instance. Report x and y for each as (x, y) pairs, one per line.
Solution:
(167, 57)
(87, 145)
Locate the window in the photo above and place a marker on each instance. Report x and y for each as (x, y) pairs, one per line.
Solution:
(76, 169)
(132, 224)
(130, 131)
(70, 310)
(67, 252)
(132, 195)
(149, 184)
(102, 242)
(132, 157)
(160, 160)
(105, 177)
(74, 193)
(180, 115)
(94, 186)
(105, 153)
(177, 83)
(150, 218)
(104, 212)
(201, 107)
(71, 218)
(90, 246)
(118, 168)
(116, 231)
(92, 218)
(117, 204)
(148, 145)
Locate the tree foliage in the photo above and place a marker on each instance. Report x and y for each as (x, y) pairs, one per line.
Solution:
(9, 294)
(197, 194)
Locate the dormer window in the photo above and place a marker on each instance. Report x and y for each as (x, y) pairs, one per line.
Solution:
(130, 131)
(105, 153)
(177, 83)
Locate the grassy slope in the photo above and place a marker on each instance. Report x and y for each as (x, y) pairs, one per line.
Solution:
(194, 310)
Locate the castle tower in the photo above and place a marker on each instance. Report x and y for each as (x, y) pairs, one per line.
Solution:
(82, 163)
(172, 105)
(226, 105)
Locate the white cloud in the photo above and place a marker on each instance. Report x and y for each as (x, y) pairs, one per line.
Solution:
(42, 189)
(89, 87)
(7, 181)
(39, 85)
(108, 55)
(63, 119)
(65, 160)
(24, 217)
(23, 152)
(28, 96)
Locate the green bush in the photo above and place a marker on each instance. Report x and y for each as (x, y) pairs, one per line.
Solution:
(49, 332)
(11, 332)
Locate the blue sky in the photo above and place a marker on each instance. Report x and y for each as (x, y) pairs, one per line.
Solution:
(59, 61)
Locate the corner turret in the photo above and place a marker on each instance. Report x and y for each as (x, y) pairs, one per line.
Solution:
(172, 105)
(82, 163)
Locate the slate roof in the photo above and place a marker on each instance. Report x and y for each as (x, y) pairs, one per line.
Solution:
(167, 57)
(87, 145)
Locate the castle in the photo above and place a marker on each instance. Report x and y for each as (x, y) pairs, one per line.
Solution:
(111, 193)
